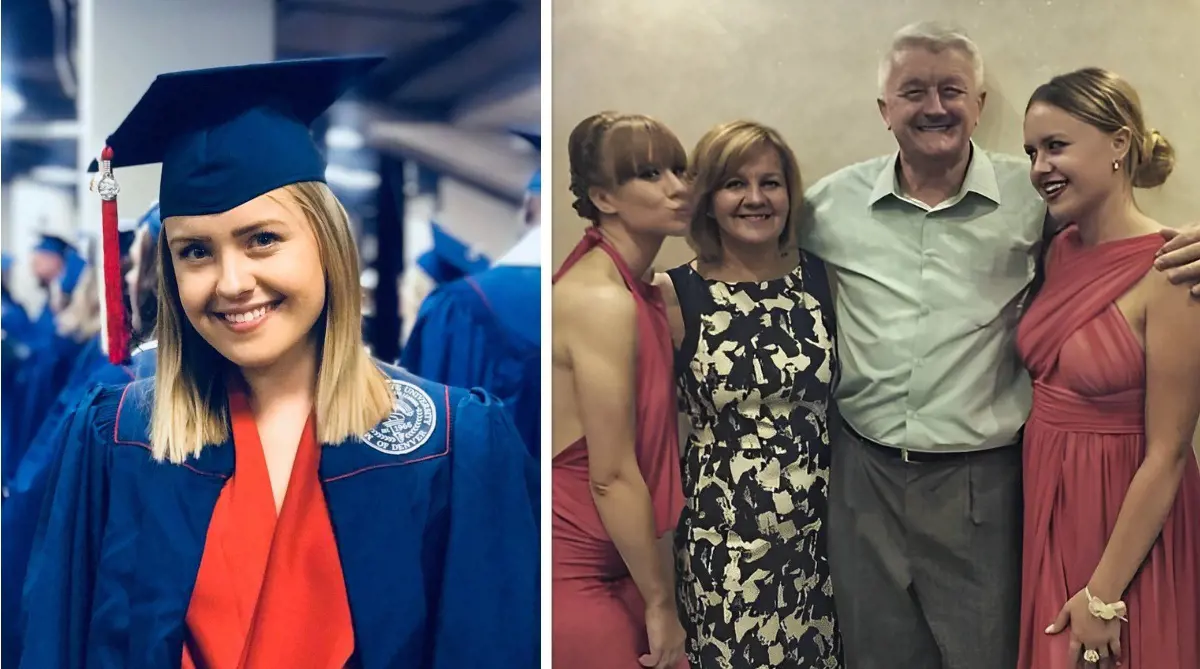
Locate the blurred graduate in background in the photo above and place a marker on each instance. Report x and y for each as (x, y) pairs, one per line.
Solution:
(447, 260)
(15, 319)
(91, 367)
(51, 344)
(484, 329)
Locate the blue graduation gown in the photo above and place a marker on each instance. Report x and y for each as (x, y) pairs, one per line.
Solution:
(15, 356)
(14, 319)
(431, 510)
(485, 331)
(43, 328)
(27, 488)
(44, 374)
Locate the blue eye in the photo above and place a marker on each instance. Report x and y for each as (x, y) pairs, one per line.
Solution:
(264, 238)
(193, 252)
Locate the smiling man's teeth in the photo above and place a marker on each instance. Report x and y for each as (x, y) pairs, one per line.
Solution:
(1054, 187)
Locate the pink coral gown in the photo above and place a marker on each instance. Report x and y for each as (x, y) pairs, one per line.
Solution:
(1084, 442)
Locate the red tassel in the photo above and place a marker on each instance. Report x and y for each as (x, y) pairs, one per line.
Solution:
(114, 302)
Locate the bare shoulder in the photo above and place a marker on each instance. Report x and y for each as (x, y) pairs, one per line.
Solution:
(1173, 302)
(590, 299)
(662, 281)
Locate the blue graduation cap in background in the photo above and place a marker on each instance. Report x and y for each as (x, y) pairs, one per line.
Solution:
(450, 258)
(73, 268)
(52, 243)
(224, 136)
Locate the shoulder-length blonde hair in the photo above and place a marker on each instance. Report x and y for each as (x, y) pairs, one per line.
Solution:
(719, 154)
(353, 395)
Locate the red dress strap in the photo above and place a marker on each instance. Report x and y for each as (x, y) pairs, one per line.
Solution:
(1081, 282)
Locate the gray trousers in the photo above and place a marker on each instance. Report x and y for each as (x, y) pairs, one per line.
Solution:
(925, 557)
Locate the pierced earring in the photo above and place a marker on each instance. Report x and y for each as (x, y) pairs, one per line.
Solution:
(1116, 165)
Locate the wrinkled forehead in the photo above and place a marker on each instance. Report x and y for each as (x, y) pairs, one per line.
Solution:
(926, 65)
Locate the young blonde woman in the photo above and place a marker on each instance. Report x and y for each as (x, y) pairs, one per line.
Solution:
(273, 497)
(755, 362)
(1111, 551)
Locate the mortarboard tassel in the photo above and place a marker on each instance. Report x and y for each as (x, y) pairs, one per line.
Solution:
(114, 300)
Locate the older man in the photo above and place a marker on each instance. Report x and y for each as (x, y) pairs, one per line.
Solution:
(933, 249)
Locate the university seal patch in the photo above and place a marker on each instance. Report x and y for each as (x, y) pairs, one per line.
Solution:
(411, 423)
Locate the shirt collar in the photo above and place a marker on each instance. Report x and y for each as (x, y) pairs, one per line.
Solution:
(980, 179)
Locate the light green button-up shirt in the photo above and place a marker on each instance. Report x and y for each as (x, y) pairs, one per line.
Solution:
(928, 301)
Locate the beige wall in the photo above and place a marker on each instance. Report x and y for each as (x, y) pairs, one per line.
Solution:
(808, 67)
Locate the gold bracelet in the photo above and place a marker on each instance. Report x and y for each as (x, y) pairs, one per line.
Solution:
(1105, 612)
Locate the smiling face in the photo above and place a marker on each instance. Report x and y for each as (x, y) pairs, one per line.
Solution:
(1071, 162)
(752, 205)
(931, 102)
(250, 280)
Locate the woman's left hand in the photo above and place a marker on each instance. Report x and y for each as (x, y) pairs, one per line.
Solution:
(1088, 633)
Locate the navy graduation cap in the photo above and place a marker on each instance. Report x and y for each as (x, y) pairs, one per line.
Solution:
(224, 136)
(52, 243)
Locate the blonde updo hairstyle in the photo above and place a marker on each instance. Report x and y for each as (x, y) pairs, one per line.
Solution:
(1109, 103)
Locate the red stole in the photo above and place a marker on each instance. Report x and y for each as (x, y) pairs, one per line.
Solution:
(1080, 284)
(270, 592)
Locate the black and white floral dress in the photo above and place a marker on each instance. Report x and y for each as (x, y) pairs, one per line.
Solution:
(755, 374)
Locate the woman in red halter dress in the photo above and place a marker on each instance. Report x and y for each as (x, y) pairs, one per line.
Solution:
(1112, 490)
(615, 474)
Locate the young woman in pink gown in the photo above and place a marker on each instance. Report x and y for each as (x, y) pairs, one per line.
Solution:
(1112, 491)
(616, 491)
